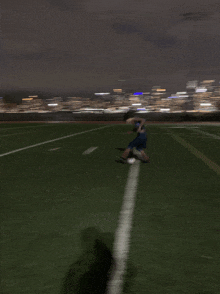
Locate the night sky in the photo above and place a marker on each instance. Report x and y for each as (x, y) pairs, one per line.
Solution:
(97, 45)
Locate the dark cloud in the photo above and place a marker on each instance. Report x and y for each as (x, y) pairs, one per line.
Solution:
(66, 5)
(125, 28)
(195, 16)
(49, 55)
(159, 39)
(87, 44)
(206, 58)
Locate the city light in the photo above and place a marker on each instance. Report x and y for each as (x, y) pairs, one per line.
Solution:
(142, 110)
(191, 84)
(201, 90)
(208, 81)
(165, 109)
(138, 93)
(117, 90)
(98, 94)
(203, 96)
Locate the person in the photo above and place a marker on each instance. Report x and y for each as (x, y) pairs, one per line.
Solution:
(139, 142)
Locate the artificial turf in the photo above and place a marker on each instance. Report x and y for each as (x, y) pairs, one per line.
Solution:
(49, 197)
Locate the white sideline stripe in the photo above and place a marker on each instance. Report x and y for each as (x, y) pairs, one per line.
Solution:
(176, 127)
(89, 150)
(122, 235)
(39, 126)
(205, 133)
(14, 134)
(45, 142)
(197, 153)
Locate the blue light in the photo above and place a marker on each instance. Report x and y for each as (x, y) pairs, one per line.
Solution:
(138, 93)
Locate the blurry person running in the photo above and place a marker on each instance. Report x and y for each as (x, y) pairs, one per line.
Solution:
(139, 142)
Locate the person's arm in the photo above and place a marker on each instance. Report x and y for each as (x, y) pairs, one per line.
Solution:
(130, 121)
(142, 120)
(133, 120)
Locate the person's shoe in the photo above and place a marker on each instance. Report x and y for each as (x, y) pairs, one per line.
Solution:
(121, 160)
(146, 161)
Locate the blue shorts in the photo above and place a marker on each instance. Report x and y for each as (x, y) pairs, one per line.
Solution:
(139, 143)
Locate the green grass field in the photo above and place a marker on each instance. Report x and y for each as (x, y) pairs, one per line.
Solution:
(48, 197)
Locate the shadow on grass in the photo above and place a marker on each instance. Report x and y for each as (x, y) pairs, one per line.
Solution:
(121, 149)
(131, 154)
(91, 272)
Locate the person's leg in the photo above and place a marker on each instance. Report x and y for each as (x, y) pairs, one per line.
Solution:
(130, 147)
(126, 153)
(144, 156)
(140, 148)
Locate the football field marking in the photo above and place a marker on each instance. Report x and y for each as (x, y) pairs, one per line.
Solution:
(205, 133)
(53, 149)
(91, 149)
(122, 235)
(197, 153)
(49, 141)
(14, 134)
(12, 128)
(176, 127)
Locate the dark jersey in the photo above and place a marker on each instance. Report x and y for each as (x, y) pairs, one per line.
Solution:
(140, 135)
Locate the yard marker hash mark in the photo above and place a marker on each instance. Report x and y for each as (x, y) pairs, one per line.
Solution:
(197, 153)
(45, 142)
(91, 149)
(122, 235)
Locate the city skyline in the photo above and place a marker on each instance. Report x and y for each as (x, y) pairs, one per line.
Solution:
(14, 96)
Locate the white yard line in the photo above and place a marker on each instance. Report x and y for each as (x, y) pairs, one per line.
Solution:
(197, 153)
(91, 149)
(49, 141)
(122, 236)
(205, 133)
